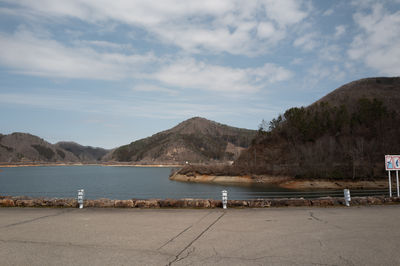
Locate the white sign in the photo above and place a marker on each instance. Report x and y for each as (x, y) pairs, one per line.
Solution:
(392, 162)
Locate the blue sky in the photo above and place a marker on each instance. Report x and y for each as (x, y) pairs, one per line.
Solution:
(105, 73)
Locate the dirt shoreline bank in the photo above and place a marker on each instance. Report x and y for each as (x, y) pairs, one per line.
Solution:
(87, 164)
(284, 182)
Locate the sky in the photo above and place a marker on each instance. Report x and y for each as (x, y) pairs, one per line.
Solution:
(106, 73)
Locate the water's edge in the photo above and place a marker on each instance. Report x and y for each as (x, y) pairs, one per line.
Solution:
(282, 181)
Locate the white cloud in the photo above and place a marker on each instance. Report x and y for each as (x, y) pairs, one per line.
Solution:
(378, 43)
(318, 72)
(153, 88)
(198, 75)
(103, 44)
(340, 30)
(285, 12)
(267, 30)
(166, 108)
(328, 12)
(307, 41)
(297, 61)
(215, 26)
(331, 52)
(24, 52)
(363, 3)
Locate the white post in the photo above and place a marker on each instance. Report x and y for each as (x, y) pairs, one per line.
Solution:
(81, 194)
(224, 198)
(397, 180)
(347, 197)
(390, 185)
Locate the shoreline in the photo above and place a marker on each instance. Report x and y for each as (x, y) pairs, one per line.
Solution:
(86, 164)
(283, 182)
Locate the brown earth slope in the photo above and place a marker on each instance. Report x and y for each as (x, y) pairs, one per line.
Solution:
(194, 140)
(24, 147)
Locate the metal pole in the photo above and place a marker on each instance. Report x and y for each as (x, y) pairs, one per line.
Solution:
(390, 186)
(397, 180)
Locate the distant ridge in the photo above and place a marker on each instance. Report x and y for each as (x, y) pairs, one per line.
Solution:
(27, 148)
(194, 140)
(84, 153)
(23, 147)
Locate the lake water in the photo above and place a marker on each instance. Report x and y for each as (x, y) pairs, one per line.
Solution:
(114, 183)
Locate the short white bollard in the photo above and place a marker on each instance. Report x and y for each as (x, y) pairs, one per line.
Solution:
(224, 198)
(347, 197)
(81, 195)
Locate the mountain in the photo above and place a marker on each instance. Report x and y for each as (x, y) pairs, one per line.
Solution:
(27, 148)
(383, 89)
(344, 135)
(84, 153)
(23, 147)
(194, 140)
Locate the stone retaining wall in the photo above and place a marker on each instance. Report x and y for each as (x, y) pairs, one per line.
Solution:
(6, 201)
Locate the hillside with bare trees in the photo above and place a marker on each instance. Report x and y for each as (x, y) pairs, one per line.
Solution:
(196, 140)
(344, 135)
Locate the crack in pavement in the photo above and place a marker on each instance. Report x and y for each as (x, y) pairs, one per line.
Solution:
(35, 219)
(187, 228)
(322, 221)
(190, 251)
(194, 240)
(316, 218)
(175, 237)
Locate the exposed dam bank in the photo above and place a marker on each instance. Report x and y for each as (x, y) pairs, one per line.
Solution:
(283, 182)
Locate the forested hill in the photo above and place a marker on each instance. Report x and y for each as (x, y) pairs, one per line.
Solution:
(84, 153)
(194, 140)
(26, 148)
(343, 135)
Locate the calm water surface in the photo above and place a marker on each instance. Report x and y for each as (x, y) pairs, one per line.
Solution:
(114, 183)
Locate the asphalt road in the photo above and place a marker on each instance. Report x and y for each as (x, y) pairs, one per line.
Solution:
(281, 236)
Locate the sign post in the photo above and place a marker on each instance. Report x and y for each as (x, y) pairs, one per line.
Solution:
(392, 163)
(397, 182)
(390, 185)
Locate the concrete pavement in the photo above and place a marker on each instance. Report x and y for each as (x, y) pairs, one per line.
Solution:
(274, 236)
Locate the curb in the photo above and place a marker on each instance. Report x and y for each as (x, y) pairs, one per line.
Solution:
(21, 201)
